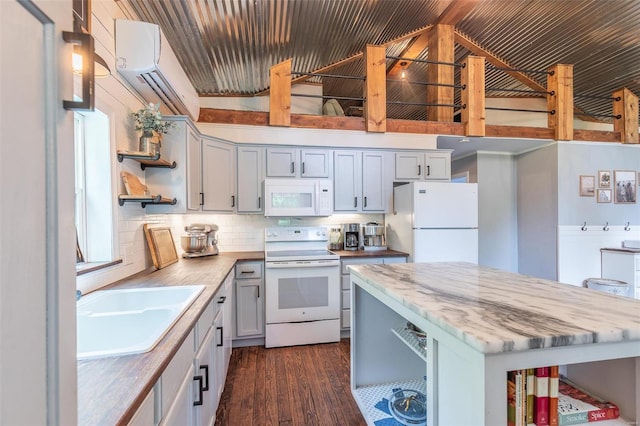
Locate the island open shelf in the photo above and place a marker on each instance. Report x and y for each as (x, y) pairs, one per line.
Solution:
(481, 323)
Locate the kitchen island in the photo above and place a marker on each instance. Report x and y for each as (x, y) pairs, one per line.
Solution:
(481, 323)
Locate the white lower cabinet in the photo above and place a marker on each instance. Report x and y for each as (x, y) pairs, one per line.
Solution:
(190, 387)
(204, 401)
(181, 411)
(345, 315)
(249, 298)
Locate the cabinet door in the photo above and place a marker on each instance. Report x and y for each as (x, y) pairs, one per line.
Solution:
(373, 181)
(282, 162)
(218, 176)
(346, 181)
(249, 308)
(194, 170)
(314, 163)
(218, 356)
(204, 365)
(437, 166)
(409, 165)
(227, 320)
(250, 177)
(181, 411)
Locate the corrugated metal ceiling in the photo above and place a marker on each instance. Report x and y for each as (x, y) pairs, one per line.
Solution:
(227, 46)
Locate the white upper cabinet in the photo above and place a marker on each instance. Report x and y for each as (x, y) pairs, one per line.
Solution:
(250, 176)
(375, 185)
(281, 162)
(437, 165)
(362, 181)
(347, 181)
(421, 165)
(314, 163)
(295, 162)
(194, 170)
(218, 176)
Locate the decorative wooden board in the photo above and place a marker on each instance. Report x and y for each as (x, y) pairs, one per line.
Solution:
(133, 185)
(161, 246)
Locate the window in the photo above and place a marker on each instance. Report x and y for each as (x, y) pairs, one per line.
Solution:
(94, 201)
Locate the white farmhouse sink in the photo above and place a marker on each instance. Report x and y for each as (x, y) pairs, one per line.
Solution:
(129, 321)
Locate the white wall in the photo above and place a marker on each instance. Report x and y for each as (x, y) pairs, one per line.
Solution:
(537, 188)
(495, 174)
(498, 214)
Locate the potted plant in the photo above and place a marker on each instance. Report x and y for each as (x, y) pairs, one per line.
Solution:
(149, 121)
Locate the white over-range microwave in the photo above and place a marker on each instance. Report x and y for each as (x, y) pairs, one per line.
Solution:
(298, 197)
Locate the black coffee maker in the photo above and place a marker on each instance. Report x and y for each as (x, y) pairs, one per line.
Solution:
(351, 236)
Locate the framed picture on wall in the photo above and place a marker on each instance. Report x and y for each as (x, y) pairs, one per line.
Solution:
(604, 195)
(587, 186)
(604, 179)
(624, 182)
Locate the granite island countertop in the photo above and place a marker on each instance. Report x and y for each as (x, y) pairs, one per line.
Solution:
(494, 311)
(111, 389)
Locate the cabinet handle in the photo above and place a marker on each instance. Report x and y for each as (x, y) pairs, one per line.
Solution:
(258, 287)
(355, 201)
(233, 201)
(428, 170)
(293, 167)
(200, 391)
(206, 378)
(303, 167)
(202, 198)
(259, 202)
(248, 272)
(221, 336)
(365, 202)
(419, 169)
(222, 299)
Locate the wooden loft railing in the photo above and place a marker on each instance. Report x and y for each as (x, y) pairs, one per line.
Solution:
(559, 100)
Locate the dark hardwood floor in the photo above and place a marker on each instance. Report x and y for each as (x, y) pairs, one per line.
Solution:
(298, 385)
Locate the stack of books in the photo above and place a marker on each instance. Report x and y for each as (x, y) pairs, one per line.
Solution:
(541, 397)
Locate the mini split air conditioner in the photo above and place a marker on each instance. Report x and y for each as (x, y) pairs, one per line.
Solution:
(145, 59)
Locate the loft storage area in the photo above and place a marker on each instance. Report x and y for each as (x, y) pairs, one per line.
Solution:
(457, 106)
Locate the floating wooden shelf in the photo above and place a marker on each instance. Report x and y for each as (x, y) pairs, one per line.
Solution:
(144, 200)
(146, 160)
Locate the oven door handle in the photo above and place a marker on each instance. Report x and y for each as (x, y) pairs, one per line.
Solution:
(301, 264)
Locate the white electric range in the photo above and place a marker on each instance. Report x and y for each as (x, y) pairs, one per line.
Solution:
(302, 285)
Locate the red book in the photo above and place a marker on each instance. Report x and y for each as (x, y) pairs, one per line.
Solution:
(554, 378)
(541, 415)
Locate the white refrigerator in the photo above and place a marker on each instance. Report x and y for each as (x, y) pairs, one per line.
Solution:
(435, 221)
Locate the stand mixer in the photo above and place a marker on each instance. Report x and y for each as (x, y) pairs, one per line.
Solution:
(200, 240)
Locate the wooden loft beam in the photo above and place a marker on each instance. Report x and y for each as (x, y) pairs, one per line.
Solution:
(411, 52)
(560, 83)
(473, 100)
(441, 50)
(375, 89)
(464, 41)
(627, 109)
(456, 11)
(280, 98)
(253, 118)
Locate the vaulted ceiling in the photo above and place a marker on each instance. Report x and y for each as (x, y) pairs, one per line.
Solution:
(227, 46)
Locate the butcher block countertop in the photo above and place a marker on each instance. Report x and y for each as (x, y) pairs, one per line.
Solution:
(110, 390)
(346, 254)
